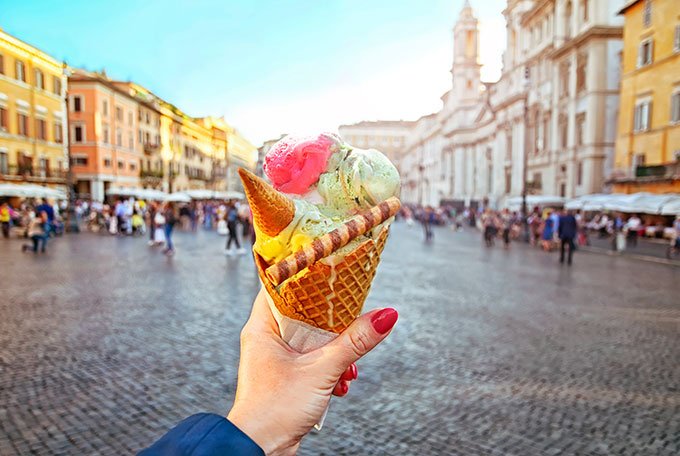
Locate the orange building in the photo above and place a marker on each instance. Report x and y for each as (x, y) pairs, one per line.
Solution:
(103, 134)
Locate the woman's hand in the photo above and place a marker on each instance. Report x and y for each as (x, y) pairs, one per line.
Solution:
(281, 394)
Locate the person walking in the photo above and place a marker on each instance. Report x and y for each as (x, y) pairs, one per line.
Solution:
(170, 221)
(37, 232)
(506, 223)
(567, 230)
(632, 228)
(548, 231)
(5, 218)
(232, 227)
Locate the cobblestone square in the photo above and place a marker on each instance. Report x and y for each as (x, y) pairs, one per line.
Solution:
(105, 343)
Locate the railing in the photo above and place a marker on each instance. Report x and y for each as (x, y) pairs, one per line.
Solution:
(33, 174)
(150, 173)
(666, 171)
(151, 147)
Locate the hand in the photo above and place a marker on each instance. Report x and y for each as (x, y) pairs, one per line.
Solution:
(281, 394)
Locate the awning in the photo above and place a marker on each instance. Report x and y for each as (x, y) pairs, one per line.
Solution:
(31, 191)
(141, 193)
(643, 203)
(515, 203)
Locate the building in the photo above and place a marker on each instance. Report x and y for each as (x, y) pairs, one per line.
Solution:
(125, 136)
(551, 117)
(262, 152)
(103, 132)
(388, 136)
(240, 154)
(33, 140)
(648, 140)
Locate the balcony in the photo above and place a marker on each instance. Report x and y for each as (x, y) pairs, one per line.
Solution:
(151, 148)
(668, 171)
(28, 173)
(151, 173)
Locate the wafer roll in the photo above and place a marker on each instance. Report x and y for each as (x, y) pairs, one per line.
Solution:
(330, 242)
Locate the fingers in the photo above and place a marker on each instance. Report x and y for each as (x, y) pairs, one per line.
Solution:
(351, 373)
(341, 389)
(361, 337)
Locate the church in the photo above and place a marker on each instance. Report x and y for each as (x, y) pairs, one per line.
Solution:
(547, 126)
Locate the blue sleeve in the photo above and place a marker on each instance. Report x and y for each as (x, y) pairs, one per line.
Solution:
(204, 434)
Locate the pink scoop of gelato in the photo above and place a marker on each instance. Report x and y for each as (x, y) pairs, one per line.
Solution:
(295, 164)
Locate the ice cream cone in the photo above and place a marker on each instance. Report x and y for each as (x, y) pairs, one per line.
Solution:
(272, 211)
(328, 295)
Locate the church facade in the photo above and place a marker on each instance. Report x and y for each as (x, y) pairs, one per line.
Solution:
(554, 109)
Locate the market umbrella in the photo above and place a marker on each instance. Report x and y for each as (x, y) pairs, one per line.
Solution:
(178, 197)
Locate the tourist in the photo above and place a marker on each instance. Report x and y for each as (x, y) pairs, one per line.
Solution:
(280, 394)
(548, 232)
(567, 230)
(232, 223)
(506, 223)
(5, 218)
(428, 218)
(170, 221)
(632, 227)
(37, 232)
(488, 221)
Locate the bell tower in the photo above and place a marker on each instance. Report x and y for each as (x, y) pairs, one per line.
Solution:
(465, 70)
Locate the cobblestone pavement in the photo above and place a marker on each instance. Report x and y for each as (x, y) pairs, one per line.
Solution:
(105, 344)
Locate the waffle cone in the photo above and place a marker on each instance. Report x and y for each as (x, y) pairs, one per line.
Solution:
(271, 210)
(329, 298)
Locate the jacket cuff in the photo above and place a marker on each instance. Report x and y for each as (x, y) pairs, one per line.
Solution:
(204, 434)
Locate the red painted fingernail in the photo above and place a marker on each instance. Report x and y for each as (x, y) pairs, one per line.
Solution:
(344, 388)
(355, 372)
(384, 320)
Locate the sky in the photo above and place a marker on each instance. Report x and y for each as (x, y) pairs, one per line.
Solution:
(268, 66)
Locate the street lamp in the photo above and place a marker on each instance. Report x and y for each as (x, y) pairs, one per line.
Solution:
(525, 157)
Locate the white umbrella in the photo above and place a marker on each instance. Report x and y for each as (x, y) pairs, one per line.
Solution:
(178, 197)
(122, 191)
(229, 195)
(31, 191)
(151, 194)
(671, 207)
(644, 203)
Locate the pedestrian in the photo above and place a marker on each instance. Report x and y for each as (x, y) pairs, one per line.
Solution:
(5, 218)
(232, 224)
(632, 227)
(427, 220)
(548, 231)
(159, 227)
(170, 221)
(674, 248)
(37, 232)
(151, 211)
(488, 221)
(567, 230)
(506, 223)
(245, 216)
(48, 209)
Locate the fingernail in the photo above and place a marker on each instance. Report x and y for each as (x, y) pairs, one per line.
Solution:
(354, 371)
(384, 320)
(344, 388)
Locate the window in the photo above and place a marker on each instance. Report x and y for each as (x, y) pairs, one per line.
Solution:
(77, 103)
(675, 106)
(564, 79)
(676, 44)
(538, 181)
(41, 129)
(56, 85)
(508, 182)
(546, 132)
(642, 116)
(645, 53)
(39, 79)
(647, 13)
(107, 163)
(4, 168)
(78, 134)
(105, 133)
(148, 120)
(584, 10)
(58, 137)
(133, 166)
(3, 119)
(121, 164)
(563, 126)
(119, 113)
(579, 173)
(105, 108)
(2, 64)
(79, 161)
(638, 160)
(129, 118)
(580, 128)
(22, 123)
(131, 141)
(119, 138)
(581, 72)
(20, 71)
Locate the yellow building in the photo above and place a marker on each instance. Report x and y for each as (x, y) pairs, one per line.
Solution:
(648, 139)
(240, 154)
(32, 115)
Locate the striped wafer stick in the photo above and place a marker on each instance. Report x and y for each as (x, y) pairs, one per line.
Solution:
(323, 246)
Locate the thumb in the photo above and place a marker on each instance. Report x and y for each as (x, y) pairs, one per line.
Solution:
(364, 334)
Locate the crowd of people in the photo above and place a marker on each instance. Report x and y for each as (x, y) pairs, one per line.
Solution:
(39, 220)
(546, 228)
